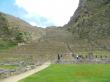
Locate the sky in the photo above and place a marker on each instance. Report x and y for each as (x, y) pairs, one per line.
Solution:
(41, 13)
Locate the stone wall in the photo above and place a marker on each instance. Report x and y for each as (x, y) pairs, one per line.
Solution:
(89, 59)
(7, 73)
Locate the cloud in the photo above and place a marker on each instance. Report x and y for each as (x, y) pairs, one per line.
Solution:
(33, 23)
(57, 12)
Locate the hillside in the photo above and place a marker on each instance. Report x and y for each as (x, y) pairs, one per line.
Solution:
(14, 30)
(14, 34)
(91, 23)
(88, 31)
(54, 41)
(41, 44)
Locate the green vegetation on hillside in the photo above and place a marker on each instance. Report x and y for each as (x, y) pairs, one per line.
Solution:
(90, 27)
(4, 45)
(72, 73)
(91, 23)
(9, 35)
(14, 30)
(8, 67)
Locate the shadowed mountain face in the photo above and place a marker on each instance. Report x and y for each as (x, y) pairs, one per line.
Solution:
(91, 22)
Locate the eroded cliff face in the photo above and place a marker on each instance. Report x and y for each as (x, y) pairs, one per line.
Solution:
(89, 8)
(91, 15)
(91, 21)
(77, 13)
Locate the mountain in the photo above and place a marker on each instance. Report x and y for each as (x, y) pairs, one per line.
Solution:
(88, 30)
(54, 41)
(14, 30)
(40, 43)
(91, 23)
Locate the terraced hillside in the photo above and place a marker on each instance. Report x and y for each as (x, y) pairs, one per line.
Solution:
(42, 44)
(13, 33)
(90, 23)
(53, 41)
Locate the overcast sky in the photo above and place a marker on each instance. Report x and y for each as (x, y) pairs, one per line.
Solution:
(41, 13)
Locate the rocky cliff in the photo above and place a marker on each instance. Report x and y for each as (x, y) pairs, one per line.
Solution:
(91, 22)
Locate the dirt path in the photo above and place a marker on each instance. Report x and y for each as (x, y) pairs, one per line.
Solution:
(26, 74)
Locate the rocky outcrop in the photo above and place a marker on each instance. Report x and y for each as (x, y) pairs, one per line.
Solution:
(91, 21)
(77, 13)
(88, 7)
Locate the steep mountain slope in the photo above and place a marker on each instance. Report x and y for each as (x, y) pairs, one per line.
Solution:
(42, 44)
(90, 27)
(54, 41)
(91, 23)
(15, 30)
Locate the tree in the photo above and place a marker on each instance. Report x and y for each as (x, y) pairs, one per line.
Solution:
(19, 38)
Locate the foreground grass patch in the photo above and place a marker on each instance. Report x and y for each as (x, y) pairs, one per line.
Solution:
(72, 73)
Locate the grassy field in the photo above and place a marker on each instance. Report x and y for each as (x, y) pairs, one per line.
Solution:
(72, 73)
(8, 67)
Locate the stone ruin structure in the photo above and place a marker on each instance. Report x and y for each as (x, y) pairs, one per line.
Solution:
(70, 58)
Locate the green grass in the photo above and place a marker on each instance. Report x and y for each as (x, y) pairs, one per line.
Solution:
(9, 67)
(4, 45)
(72, 73)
